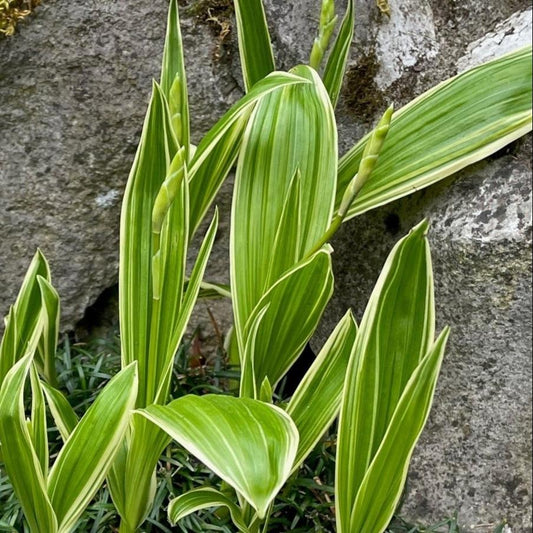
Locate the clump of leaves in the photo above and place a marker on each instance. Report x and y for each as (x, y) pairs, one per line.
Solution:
(12, 12)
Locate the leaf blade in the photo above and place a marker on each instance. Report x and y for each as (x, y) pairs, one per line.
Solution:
(455, 124)
(257, 57)
(396, 331)
(84, 460)
(316, 402)
(250, 444)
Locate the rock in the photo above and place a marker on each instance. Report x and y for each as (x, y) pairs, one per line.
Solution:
(74, 84)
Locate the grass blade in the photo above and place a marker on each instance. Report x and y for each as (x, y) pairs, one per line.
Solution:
(453, 125)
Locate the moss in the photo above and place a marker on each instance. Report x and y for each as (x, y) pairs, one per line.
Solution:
(217, 15)
(362, 95)
(12, 12)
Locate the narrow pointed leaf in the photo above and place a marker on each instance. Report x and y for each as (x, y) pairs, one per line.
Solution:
(64, 416)
(156, 148)
(39, 434)
(396, 331)
(383, 483)
(167, 307)
(84, 460)
(338, 57)
(173, 78)
(453, 125)
(218, 150)
(292, 131)
(257, 58)
(204, 498)
(24, 326)
(296, 303)
(250, 444)
(20, 459)
(132, 480)
(186, 308)
(317, 400)
(50, 334)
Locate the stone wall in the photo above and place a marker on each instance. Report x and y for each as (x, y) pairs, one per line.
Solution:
(74, 84)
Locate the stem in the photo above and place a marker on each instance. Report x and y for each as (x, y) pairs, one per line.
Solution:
(368, 162)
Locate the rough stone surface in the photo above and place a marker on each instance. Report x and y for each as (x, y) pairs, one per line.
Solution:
(74, 84)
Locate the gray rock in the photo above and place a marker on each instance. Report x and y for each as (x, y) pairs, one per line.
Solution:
(74, 84)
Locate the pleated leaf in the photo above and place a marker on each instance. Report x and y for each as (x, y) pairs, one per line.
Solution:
(187, 303)
(24, 324)
(50, 317)
(64, 416)
(19, 456)
(204, 498)
(156, 148)
(295, 304)
(338, 57)
(87, 455)
(167, 305)
(173, 78)
(250, 444)
(218, 150)
(384, 480)
(317, 400)
(131, 480)
(453, 125)
(257, 58)
(291, 135)
(396, 331)
(38, 428)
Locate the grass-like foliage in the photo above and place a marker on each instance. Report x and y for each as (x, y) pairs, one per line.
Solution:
(291, 194)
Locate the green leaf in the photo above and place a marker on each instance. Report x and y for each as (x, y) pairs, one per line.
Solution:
(38, 426)
(218, 150)
(24, 323)
(257, 58)
(50, 332)
(131, 480)
(284, 188)
(295, 304)
(453, 125)
(168, 298)
(183, 313)
(396, 331)
(336, 64)
(317, 400)
(20, 458)
(156, 148)
(84, 460)
(249, 444)
(173, 78)
(64, 416)
(383, 483)
(204, 498)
